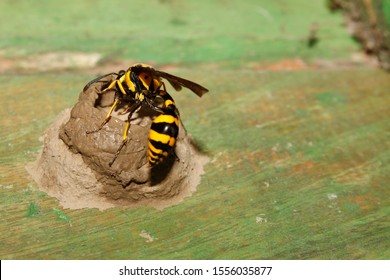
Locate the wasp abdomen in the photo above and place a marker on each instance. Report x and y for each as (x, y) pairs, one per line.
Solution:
(162, 137)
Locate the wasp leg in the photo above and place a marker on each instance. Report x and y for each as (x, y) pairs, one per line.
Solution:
(154, 107)
(126, 110)
(107, 118)
(167, 99)
(110, 87)
(134, 108)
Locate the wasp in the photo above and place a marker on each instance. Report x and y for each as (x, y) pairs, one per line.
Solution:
(142, 85)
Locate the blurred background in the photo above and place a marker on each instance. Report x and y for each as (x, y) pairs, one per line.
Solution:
(295, 124)
(84, 33)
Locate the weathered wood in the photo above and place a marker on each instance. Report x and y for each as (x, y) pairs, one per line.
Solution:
(299, 159)
(299, 169)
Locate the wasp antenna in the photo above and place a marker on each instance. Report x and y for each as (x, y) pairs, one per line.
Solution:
(98, 80)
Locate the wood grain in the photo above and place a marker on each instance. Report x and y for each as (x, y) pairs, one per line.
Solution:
(299, 170)
(298, 134)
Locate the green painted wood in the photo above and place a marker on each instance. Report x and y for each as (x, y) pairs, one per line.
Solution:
(166, 31)
(299, 169)
(299, 159)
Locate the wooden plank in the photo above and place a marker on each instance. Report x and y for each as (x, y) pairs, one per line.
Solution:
(299, 159)
(299, 170)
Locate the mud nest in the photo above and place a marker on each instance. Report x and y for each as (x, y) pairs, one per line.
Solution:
(73, 166)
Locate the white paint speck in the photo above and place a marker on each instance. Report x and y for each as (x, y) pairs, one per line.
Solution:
(261, 219)
(276, 147)
(147, 236)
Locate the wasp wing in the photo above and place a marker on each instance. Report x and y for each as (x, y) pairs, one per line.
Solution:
(177, 83)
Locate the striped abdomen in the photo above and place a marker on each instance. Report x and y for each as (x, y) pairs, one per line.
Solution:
(162, 137)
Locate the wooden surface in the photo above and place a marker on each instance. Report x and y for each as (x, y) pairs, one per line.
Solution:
(299, 158)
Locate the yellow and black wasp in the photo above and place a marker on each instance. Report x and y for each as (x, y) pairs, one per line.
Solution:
(141, 84)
